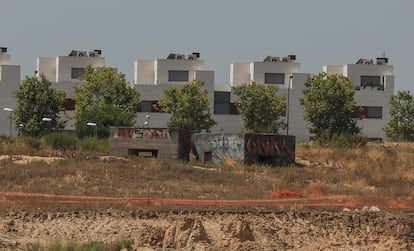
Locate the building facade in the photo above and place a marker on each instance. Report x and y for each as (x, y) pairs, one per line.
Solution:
(151, 77)
(9, 83)
(64, 73)
(285, 72)
(374, 85)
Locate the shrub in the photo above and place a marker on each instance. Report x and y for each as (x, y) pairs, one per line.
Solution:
(93, 144)
(33, 142)
(61, 141)
(341, 140)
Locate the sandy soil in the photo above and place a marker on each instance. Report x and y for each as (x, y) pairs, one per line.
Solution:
(214, 230)
(351, 223)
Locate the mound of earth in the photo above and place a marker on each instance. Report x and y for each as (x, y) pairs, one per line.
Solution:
(214, 230)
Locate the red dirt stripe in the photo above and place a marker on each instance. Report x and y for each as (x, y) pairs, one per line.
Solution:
(322, 202)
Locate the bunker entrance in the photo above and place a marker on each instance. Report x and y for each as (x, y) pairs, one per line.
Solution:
(146, 153)
(267, 159)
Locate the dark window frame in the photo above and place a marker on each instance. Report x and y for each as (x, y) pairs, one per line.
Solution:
(149, 106)
(77, 72)
(274, 78)
(178, 76)
(370, 80)
(369, 112)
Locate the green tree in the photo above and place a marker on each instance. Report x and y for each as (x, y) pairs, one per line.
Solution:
(260, 107)
(401, 124)
(36, 99)
(105, 99)
(329, 105)
(189, 107)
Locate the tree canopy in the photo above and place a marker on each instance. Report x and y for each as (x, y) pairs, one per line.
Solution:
(329, 105)
(189, 107)
(401, 124)
(39, 107)
(260, 107)
(105, 99)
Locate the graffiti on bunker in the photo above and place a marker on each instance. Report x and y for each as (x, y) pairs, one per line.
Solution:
(142, 133)
(279, 146)
(227, 146)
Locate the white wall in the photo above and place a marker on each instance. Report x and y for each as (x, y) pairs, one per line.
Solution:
(258, 70)
(369, 96)
(354, 71)
(66, 63)
(144, 73)
(47, 67)
(162, 66)
(4, 59)
(9, 83)
(239, 74)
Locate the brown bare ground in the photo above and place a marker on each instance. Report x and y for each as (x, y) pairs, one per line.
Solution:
(338, 199)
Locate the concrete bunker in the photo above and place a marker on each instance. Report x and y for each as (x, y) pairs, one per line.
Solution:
(269, 149)
(150, 142)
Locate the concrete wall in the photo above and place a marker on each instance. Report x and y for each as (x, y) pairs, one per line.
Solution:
(270, 149)
(4, 58)
(47, 66)
(218, 146)
(144, 72)
(157, 142)
(9, 83)
(66, 63)
(59, 69)
(258, 70)
(244, 73)
(245, 148)
(162, 66)
(239, 74)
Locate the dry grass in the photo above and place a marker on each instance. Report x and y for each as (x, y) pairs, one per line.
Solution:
(375, 170)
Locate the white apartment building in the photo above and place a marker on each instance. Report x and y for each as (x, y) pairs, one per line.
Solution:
(373, 82)
(9, 83)
(64, 73)
(374, 86)
(151, 77)
(284, 72)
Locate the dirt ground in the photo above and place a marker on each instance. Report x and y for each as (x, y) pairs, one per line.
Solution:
(282, 223)
(214, 230)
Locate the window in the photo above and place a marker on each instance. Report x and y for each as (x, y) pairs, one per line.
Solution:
(77, 73)
(146, 106)
(368, 112)
(275, 78)
(181, 76)
(370, 81)
(69, 104)
(221, 102)
(149, 106)
(374, 112)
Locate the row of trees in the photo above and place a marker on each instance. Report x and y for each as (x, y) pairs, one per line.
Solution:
(107, 99)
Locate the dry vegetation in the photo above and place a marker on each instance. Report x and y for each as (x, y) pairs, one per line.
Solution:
(375, 170)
